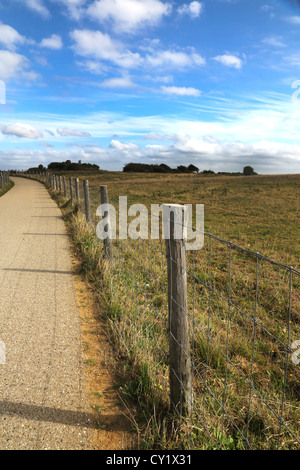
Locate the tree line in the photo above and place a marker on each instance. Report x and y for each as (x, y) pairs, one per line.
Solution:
(65, 166)
(163, 168)
(136, 168)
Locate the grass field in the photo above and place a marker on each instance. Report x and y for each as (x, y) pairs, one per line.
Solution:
(257, 212)
(244, 311)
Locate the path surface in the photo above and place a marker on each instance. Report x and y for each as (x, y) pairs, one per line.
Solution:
(43, 400)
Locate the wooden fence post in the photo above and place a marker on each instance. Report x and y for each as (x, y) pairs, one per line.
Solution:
(77, 190)
(107, 241)
(179, 341)
(64, 186)
(87, 201)
(71, 189)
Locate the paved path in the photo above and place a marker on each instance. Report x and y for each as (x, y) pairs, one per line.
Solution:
(43, 402)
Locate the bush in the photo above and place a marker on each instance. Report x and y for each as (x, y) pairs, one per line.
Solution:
(248, 171)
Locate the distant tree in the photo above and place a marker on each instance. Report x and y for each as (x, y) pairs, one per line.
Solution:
(146, 168)
(163, 168)
(182, 169)
(248, 171)
(193, 168)
(69, 166)
(137, 167)
(41, 168)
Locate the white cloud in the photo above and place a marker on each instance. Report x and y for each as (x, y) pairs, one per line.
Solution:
(293, 19)
(10, 38)
(72, 132)
(118, 82)
(229, 60)
(74, 7)
(192, 9)
(92, 66)
(153, 136)
(53, 42)
(174, 59)
(21, 130)
(129, 15)
(12, 65)
(181, 91)
(224, 145)
(100, 46)
(38, 7)
(115, 144)
(273, 41)
(265, 156)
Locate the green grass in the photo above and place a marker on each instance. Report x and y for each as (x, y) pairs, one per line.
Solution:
(234, 345)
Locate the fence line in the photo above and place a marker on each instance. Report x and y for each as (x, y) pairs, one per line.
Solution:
(237, 376)
(4, 178)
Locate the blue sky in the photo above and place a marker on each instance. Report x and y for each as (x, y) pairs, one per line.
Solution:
(215, 83)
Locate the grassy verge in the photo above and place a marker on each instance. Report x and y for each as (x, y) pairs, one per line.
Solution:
(6, 188)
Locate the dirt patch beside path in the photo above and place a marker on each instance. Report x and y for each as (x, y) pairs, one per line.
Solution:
(114, 423)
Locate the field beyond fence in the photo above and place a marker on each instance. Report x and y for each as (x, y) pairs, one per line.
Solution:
(236, 378)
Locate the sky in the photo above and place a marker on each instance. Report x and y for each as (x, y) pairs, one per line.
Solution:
(215, 83)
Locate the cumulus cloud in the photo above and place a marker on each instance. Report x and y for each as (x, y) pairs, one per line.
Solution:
(115, 144)
(100, 46)
(21, 130)
(10, 37)
(72, 132)
(229, 60)
(24, 158)
(213, 154)
(205, 153)
(192, 9)
(13, 65)
(129, 15)
(53, 42)
(153, 136)
(38, 7)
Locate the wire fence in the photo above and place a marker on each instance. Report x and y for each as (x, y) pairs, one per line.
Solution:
(235, 383)
(4, 178)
